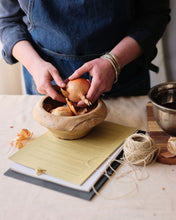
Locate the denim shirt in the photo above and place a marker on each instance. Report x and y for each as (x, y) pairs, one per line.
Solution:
(69, 33)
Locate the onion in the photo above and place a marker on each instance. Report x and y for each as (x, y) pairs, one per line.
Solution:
(62, 111)
(77, 89)
(171, 145)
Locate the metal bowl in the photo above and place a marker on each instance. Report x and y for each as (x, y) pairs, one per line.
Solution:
(163, 98)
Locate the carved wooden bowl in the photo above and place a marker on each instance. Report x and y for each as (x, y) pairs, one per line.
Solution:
(68, 127)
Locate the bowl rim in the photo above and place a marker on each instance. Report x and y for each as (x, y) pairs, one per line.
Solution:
(99, 104)
(155, 103)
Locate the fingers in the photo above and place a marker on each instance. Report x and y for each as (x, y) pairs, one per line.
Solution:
(79, 72)
(54, 94)
(102, 79)
(52, 91)
(95, 90)
(93, 94)
(99, 79)
(58, 80)
(60, 83)
(43, 82)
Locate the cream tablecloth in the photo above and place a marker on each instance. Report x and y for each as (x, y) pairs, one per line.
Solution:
(151, 198)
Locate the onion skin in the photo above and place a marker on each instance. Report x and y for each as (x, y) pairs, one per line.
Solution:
(62, 111)
(77, 89)
(71, 107)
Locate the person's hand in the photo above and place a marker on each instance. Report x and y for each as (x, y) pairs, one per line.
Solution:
(103, 75)
(43, 74)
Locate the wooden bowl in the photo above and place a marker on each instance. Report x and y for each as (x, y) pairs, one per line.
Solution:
(68, 127)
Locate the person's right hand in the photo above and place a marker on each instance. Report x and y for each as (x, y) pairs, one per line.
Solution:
(43, 74)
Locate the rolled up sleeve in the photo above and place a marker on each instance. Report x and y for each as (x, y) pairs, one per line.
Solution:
(151, 19)
(12, 28)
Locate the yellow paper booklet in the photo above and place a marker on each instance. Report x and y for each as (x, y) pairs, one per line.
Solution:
(73, 161)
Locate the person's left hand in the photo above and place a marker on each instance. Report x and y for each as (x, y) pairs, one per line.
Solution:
(103, 75)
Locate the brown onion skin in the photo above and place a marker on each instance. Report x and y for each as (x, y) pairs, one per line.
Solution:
(77, 89)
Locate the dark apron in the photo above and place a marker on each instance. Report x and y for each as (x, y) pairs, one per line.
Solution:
(70, 33)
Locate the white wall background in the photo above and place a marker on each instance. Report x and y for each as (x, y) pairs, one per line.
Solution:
(160, 77)
(169, 44)
(10, 78)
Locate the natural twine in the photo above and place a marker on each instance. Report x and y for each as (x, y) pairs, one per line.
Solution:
(139, 149)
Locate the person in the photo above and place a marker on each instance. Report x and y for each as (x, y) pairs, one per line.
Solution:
(112, 43)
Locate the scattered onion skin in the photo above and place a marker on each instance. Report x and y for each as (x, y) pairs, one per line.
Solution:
(77, 89)
(62, 111)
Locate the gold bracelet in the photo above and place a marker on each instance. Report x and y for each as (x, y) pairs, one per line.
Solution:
(114, 66)
(115, 63)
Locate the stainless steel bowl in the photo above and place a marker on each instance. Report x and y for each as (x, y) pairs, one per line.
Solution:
(163, 98)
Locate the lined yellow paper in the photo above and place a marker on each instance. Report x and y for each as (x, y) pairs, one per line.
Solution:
(73, 160)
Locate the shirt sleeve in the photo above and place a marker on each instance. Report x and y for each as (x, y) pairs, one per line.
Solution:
(151, 19)
(12, 27)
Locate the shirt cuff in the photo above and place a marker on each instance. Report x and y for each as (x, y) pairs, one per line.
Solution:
(147, 44)
(9, 38)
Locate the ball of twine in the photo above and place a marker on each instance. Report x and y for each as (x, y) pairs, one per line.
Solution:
(139, 149)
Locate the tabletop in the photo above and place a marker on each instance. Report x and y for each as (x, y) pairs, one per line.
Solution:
(148, 193)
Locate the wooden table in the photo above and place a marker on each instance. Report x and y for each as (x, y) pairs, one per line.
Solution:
(150, 198)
